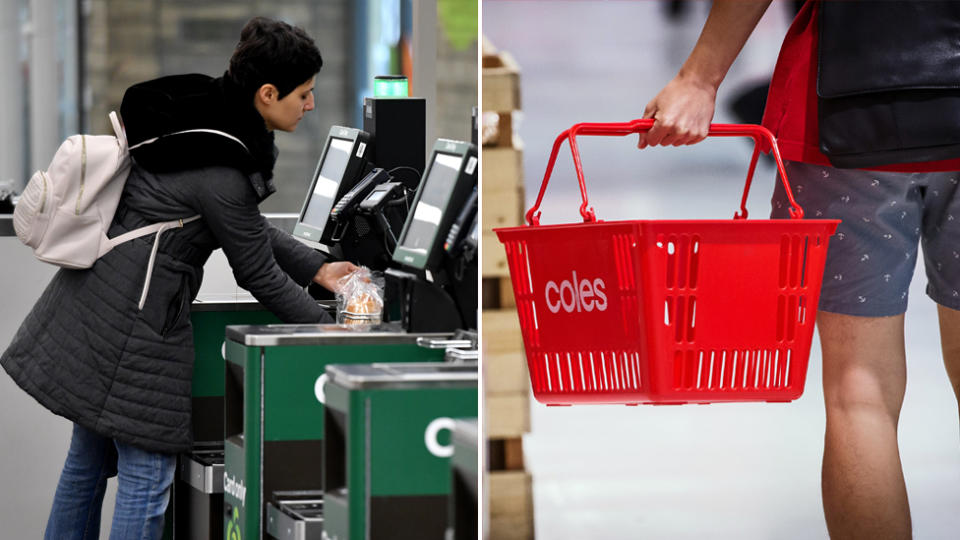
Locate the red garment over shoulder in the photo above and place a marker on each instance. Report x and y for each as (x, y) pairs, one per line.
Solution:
(791, 111)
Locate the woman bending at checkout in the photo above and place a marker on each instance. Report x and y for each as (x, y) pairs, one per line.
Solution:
(121, 373)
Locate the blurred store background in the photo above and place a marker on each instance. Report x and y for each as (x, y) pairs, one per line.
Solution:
(64, 65)
(728, 471)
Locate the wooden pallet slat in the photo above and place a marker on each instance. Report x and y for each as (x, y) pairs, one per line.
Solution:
(497, 129)
(501, 332)
(511, 505)
(505, 373)
(503, 167)
(508, 415)
(502, 207)
(505, 454)
(497, 293)
(494, 260)
(506, 382)
(501, 83)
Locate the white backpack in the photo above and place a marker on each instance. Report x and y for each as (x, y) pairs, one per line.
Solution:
(65, 212)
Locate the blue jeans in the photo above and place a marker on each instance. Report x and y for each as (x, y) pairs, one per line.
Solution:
(143, 489)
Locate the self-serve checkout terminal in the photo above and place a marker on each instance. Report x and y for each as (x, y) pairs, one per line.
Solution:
(421, 235)
(436, 281)
(276, 379)
(343, 159)
(277, 376)
(337, 216)
(276, 391)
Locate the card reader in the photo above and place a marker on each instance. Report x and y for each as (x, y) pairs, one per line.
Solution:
(348, 203)
(453, 245)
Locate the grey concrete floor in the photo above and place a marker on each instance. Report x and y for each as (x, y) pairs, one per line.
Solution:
(743, 471)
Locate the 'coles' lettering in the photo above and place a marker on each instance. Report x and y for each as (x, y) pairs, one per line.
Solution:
(576, 295)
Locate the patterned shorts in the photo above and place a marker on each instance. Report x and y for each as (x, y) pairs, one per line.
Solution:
(874, 251)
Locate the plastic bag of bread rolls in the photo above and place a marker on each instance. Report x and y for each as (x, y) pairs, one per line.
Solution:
(360, 298)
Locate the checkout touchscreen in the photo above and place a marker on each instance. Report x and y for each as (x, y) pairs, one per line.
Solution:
(342, 162)
(429, 211)
(450, 179)
(328, 180)
(475, 233)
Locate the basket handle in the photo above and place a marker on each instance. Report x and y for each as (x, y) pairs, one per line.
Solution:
(761, 136)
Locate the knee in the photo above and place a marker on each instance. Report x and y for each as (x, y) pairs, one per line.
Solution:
(861, 392)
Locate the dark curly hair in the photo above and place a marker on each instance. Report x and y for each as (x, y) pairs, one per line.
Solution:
(273, 52)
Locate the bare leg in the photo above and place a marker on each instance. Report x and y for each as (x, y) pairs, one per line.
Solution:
(950, 341)
(864, 378)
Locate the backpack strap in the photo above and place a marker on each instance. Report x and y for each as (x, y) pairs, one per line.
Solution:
(145, 230)
(122, 134)
(153, 252)
(213, 131)
(157, 228)
(118, 129)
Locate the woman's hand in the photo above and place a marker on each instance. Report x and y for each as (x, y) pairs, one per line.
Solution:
(331, 272)
(681, 111)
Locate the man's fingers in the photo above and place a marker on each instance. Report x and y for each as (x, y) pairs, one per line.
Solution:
(692, 138)
(681, 138)
(668, 140)
(668, 132)
(656, 133)
(648, 112)
(667, 137)
(643, 140)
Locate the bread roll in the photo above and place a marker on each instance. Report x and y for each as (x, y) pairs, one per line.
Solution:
(359, 305)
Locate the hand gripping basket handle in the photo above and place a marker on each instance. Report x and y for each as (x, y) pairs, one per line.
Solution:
(761, 137)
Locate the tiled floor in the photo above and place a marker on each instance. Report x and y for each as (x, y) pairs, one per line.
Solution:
(720, 471)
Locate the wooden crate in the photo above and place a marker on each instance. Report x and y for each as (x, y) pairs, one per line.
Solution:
(500, 76)
(494, 257)
(505, 373)
(487, 47)
(497, 129)
(502, 207)
(511, 505)
(507, 415)
(503, 168)
(501, 332)
(505, 454)
(497, 293)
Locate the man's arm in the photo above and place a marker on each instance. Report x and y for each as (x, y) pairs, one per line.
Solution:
(684, 108)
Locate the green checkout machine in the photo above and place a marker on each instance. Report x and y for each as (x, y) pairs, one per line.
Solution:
(276, 393)
(197, 496)
(462, 515)
(388, 445)
(263, 390)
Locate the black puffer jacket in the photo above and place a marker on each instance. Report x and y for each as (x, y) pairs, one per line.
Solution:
(86, 351)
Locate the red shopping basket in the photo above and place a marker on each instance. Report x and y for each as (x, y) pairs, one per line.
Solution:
(667, 311)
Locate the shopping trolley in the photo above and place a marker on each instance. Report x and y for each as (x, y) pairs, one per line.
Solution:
(667, 311)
